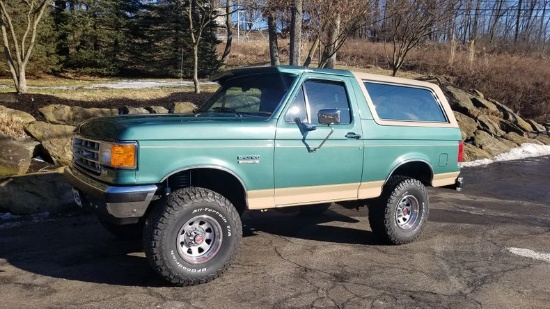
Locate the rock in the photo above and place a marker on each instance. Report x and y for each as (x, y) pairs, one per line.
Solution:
(73, 115)
(56, 140)
(15, 155)
(468, 126)
(132, 110)
(478, 93)
(157, 109)
(519, 139)
(487, 105)
(490, 124)
(35, 193)
(490, 144)
(509, 143)
(545, 139)
(26, 118)
(183, 107)
(472, 153)
(508, 127)
(536, 127)
(508, 114)
(461, 101)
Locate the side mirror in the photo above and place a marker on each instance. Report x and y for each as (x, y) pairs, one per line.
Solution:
(328, 116)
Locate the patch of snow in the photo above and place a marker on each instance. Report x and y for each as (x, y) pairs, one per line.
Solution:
(131, 84)
(527, 150)
(530, 254)
(124, 84)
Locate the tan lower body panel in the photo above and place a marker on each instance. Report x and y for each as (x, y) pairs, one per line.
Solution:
(285, 197)
(446, 179)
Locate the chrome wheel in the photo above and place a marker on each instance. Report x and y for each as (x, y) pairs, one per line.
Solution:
(407, 212)
(199, 239)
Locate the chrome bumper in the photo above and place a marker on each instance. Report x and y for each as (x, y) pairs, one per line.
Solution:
(118, 202)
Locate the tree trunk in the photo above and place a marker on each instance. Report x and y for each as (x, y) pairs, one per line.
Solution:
(518, 18)
(328, 60)
(196, 68)
(273, 46)
(296, 32)
(312, 51)
(229, 37)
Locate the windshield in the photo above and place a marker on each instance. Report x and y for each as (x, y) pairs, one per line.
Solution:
(256, 94)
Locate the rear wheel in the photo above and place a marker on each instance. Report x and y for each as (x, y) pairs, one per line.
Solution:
(192, 236)
(401, 212)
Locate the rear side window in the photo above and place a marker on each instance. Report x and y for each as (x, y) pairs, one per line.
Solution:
(403, 103)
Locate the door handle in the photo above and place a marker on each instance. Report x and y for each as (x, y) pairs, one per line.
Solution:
(353, 135)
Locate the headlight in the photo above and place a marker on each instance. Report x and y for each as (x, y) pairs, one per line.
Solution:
(118, 155)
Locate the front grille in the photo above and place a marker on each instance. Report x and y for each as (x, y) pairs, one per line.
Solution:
(86, 154)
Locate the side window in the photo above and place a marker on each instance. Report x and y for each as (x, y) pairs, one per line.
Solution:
(316, 95)
(403, 103)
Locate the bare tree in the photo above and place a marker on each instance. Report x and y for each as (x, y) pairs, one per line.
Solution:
(409, 23)
(201, 14)
(18, 45)
(332, 22)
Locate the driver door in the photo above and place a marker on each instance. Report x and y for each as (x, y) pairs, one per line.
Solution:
(304, 174)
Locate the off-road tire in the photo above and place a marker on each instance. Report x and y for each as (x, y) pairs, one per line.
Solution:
(313, 210)
(400, 213)
(125, 232)
(184, 223)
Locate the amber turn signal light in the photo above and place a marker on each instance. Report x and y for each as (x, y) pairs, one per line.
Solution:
(123, 155)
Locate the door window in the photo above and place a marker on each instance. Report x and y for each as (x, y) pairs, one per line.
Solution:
(315, 95)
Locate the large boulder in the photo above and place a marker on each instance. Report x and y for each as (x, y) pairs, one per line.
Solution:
(489, 143)
(472, 153)
(132, 110)
(73, 115)
(15, 155)
(520, 139)
(35, 193)
(25, 118)
(468, 126)
(536, 127)
(490, 124)
(462, 101)
(487, 105)
(183, 107)
(510, 115)
(56, 140)
(157, 109)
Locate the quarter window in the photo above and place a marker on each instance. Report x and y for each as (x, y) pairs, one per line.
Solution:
(403, 103)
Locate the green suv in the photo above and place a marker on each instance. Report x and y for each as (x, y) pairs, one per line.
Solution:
(270, 137)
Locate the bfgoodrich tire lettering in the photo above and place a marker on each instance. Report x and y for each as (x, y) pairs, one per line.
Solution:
(192, 236)
(401, 212)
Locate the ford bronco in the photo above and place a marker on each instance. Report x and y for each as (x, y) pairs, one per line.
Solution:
(270, 137)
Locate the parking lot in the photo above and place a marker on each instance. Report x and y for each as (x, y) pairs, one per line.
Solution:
(485, 247)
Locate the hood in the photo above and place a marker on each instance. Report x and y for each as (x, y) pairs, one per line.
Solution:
(177, 127)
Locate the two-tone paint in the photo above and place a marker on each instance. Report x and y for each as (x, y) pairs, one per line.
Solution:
(269, 158)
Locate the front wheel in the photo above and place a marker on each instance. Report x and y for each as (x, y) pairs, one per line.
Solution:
(401, 212)
(192, 236)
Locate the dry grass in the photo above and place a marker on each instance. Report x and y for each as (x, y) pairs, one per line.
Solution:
(12, 126)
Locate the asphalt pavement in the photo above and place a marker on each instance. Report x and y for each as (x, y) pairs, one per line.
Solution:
(485, 247)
